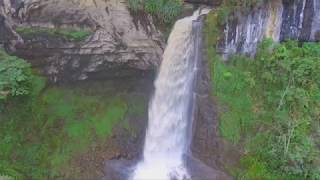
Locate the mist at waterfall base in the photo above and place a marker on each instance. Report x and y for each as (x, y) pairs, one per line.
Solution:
(170, 110)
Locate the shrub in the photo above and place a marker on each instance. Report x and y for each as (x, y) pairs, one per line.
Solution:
(290, 84)
(135, 5)
(164, 10)
(15, 76)
(170, 10)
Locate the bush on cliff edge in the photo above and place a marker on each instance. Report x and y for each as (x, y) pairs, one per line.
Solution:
(15, 76)
(164, 10)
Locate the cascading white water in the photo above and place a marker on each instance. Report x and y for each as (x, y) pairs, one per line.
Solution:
(166, 138)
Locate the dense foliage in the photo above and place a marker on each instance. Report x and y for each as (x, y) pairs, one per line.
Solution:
(15, 76)
(69, 34)
(290, 90)
(270, 105)
(164, 10)
(273, 106)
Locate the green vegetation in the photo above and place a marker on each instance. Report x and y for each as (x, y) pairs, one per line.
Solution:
(270, 105)
(40, 134)
(164, 10)
(15, 76)
(69, 34)
(232, 89)
(44, 128)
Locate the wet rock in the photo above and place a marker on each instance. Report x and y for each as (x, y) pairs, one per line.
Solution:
(200, 171)
(297, 19)
(8, 37)
(315, 32)
(116, 156)
(317, 36)
(276, 19)
(211, 154)
(118, 169)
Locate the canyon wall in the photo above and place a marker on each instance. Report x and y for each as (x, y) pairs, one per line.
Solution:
(275, 19)
(121, 44)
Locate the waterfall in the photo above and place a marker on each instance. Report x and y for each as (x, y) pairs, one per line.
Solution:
(167, 137)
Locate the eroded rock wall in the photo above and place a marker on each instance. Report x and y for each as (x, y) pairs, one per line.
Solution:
(8, 37)
(121, 44)
(207, 145)
(276, 19)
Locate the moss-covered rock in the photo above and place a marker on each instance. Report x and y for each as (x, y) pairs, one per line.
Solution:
(68, 34)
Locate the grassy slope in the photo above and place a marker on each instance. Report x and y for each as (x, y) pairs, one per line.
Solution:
(41, 134)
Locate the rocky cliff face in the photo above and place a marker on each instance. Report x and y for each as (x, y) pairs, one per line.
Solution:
(276, 19)
(8, 37)
(121, 44)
